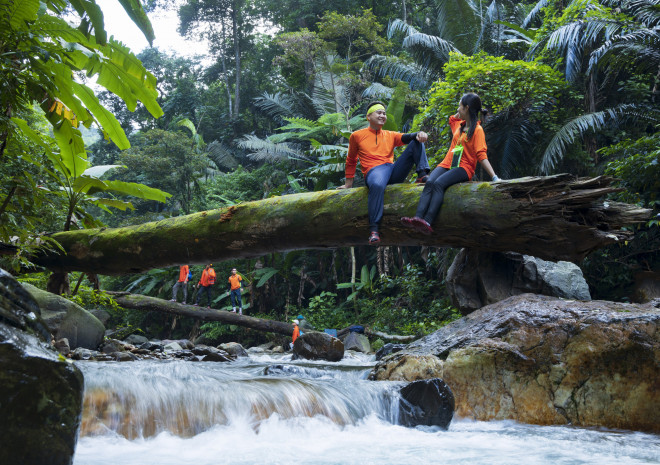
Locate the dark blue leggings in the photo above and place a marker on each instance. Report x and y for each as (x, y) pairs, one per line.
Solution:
(380, 176)
(434, 191)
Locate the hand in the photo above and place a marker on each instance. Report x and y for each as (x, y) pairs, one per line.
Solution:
(347, 185)
(422, 137)
(495, 178)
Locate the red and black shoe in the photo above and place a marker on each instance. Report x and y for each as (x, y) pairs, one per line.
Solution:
(374, 238)
(422, 179)
(407, 221)
(421, 225)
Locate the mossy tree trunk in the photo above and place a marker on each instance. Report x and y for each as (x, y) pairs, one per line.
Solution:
(141, 302)
(553, 218)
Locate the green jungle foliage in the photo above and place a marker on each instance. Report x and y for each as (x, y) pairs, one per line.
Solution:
(570, 86)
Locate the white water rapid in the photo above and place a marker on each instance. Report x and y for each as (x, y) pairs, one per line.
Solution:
(269, 410)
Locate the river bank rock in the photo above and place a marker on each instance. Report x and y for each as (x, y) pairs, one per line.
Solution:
(427, 402)
(40, 393)
(543, 360)
(476, 278)
(357, 342)
(65, 319)
(314, 345)
(234, 348)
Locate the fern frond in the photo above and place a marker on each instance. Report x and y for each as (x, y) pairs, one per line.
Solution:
(577, 127)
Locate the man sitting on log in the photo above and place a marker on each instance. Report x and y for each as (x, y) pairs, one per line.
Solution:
(373, 147)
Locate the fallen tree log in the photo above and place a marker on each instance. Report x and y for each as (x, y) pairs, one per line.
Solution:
(553, 218)
(145, 303)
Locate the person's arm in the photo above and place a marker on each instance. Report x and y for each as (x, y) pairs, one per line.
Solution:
(489, 169)
(420, 136)
(351, 163)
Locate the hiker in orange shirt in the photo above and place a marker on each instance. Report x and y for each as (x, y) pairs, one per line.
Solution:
(468, 146)
(296, 332)
(182, 283)
(235, 291)
(374, 147)
(206, 281)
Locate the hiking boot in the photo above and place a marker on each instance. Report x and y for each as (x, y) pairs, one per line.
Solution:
(422, 179)
(374, 238)
(407, 221)
(196, 305)
(240, 312)
(172, 300)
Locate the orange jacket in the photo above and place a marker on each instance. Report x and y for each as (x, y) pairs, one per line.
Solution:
(208, 277)
(296, 333)
(183, 274)
(371, 148)
(474, 150)
(235, 281)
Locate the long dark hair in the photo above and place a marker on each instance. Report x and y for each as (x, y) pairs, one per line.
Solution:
(473, 102)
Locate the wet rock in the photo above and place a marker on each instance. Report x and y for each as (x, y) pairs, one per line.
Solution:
(543, 360)
(40, 401)
(111, 346)
(136, 339)
(478, 278)
(19, 309)
(152, 346)
(82, 354)
(427, 402)
(407, 367)
(233, 348)
(388, 349)
(62, 346)
(124, 357)
(102, 315)
(318, 346)
(278, 350)
(66, 319)
(357, 342)
(40, 392)
(217, 357)
(172, 347)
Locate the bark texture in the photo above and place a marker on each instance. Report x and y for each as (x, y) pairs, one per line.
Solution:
(141, 302)
(553, 218)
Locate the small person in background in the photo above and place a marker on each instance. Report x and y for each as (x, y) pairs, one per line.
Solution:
(206, 281)
(296, 332)
(235, 291)
(182, 283)
(304, 324)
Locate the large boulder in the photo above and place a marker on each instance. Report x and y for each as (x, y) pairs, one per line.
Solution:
(357, 342)
(233, 348)
(543, 360)
(40, 392)
(315, 345)
(476, 278)
(66, 319)
(427, 402)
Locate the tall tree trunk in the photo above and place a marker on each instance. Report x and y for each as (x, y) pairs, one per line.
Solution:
(225, 75)
(405, 12)
(237, 52)
(553, 218)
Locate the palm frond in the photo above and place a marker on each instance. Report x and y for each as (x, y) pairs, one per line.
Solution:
(431, 51)
(640, 48)
(398, 25)
(646, 12)
(221, 155)
(512, 138)
(265, 150)
(577, 127)
(534, 12)
(459, 21)
(277, 106)
(572, 39)
(416, 76)
(377, 91)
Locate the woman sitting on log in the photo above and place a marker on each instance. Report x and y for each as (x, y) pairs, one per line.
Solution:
(468, 146)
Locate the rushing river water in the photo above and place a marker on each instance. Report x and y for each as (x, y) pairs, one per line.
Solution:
(269, 410)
